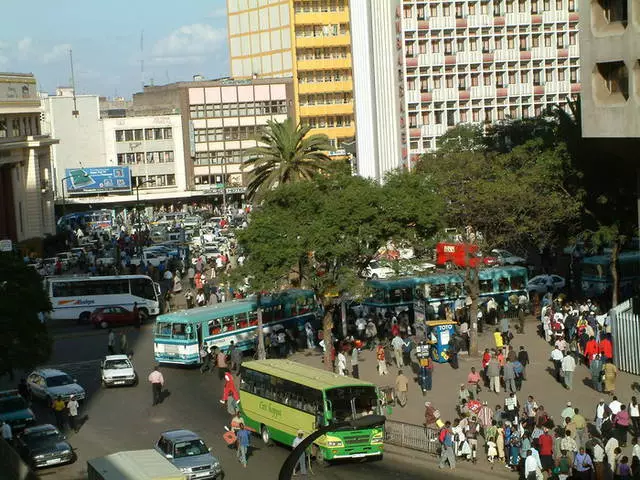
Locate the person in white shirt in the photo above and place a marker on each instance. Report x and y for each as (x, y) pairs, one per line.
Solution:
(568, 367)
(361, 325)
(397, 343)
(531, 466)
(556, 357)
(341, 364)
(600, 415)
(635, 451)
(568, 411)
(7, 433)
(73, 406)
(615, 405)
(634, 413)
(609, 449)
(157, 382)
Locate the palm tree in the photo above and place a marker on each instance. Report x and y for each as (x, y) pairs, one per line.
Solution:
(285, 154)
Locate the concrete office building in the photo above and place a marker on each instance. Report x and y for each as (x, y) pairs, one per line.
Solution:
(484, 61)
(309, 41)
(26, 190)
(220, 120)
(610, 65)
(376, 82)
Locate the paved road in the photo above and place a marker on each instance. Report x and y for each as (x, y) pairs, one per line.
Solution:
(123, 418)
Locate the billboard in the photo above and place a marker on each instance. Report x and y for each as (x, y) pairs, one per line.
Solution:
(98, 179)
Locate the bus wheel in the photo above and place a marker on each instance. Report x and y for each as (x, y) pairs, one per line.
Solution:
(84, 317)
(104, 324)
(264, 432)
(144, 315)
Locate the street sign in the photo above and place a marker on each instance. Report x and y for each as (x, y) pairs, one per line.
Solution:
(6, 245)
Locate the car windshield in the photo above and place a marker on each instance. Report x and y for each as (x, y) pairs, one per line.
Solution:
(189, 448)
(43, 436)
(117, 364)
(12, 404)
(345, 400)
(59, 381)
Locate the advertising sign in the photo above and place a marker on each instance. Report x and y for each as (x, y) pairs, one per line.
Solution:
(98, 179)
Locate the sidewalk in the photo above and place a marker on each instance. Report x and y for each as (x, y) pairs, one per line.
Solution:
(446, 383)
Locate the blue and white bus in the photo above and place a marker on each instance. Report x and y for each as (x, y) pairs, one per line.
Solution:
(179, 336)
(595, 272)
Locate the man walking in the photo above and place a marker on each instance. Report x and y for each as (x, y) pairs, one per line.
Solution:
(556, 357)
(402, 387)
(568, 367)
(355, 371)
(7, 433)
(243, 438)
(523, 358)
(493, 372)
(582, 465)
(58, 407)
(398, 344)
(446, 442)
(72, 407)
(157, 382)
(302, 461)
(111, 343)
(509, 376)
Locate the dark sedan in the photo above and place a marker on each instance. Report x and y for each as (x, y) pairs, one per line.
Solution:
(44, 446)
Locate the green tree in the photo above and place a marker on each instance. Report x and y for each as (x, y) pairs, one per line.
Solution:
(25, 341)
(329, 229)
(285, 153)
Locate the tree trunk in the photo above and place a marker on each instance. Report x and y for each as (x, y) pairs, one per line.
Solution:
(327, 325)
(615, 250)
(262, 355)
(471, 283)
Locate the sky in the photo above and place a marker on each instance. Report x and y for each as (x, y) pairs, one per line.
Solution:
(179, 39)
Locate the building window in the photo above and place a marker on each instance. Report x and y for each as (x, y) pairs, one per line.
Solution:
(612, 82)
(438, 117)
(435, 46)
(613, 10)
(459, 13)
(561, 74)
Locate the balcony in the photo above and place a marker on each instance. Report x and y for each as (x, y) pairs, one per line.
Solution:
(479, 21)
(409, 24)
(507, 55)
(334, 132)
(326, 109)
(442, 23)
(325, 64)
(325, 87)
(324, 41)
(321, 18)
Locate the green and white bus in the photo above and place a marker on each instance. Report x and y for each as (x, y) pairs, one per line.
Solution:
(280, 397)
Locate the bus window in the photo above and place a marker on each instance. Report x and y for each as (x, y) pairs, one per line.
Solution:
(253, 319)
(241, 320)
(163, 329)
(503, 284)
(181, 331)
(453, 290)
(143, 287)
(228, 324)
(517, 282)
(365, 402)
(214, 327)
(486, 286)
(407, 294)
(437, 290)
(379, 295)
(267, 314)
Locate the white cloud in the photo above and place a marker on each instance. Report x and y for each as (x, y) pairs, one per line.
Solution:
(24, 46)
(57, 52)
(220, 12)
(189, 43)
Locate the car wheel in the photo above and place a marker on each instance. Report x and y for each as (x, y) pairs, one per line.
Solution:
(104, 324)
(84, 317)
(135, 381)
(264, 433)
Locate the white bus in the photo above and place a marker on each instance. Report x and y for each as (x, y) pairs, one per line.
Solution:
(75, 297)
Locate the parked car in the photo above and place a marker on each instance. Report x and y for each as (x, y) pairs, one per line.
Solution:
(118, 370)
(189, 453)
(376, 270)
(44, 446)
(543, 283)
(505, 257)
(105, 317)
(15, 411)
(50, 383)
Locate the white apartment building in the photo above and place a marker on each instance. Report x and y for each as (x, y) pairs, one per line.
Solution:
(483, 61)
(376, 85)
(26, 193)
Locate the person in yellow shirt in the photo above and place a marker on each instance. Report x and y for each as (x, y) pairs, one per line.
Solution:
(59, 408)
(497, 336)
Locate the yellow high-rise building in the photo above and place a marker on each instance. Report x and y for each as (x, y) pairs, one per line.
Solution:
(308, 40)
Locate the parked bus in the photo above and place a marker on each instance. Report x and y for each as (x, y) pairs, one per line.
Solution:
(91, 220)
(498, 282)
(596, 274)
(179, 336)
(75, 297)
(280, 397)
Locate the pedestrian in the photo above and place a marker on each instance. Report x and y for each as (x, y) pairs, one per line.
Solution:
(545, 444)
(498, 339)
(341, 363)
(380, 357)
(232, 356)
(598, 458)
(582, 465)
(509, 376)
(72, 407)
(135, 313)
(221, 363)
(623, 470)
(243, 440)
(493, 372)
(634, 413)
(111, 342)
(622, 420)
(635, 457)
(301, 464)
(580, 424)
(398, 344)
(355, 371)
(595, 369)
(157, 383)
(308, 329)
(523, 358)
(471, 431)
(599, 417)
(59, 407)
(610, 373)
(556, 358)
(568, 366)
(473, 380)
(229, 389)
(124, 347)
(402, 387)
(7, 432)
(446, 441)
(205, 358)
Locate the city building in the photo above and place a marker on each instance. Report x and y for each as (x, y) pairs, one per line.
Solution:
(610, 65)
(310, 42)
(220, 121)
(26, 191)
(376, 87)
(482, 61)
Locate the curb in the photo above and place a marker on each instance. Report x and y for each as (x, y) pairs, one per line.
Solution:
(430, 462)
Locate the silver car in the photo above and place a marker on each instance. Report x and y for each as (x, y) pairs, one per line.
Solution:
(49, 383)
(190, 454)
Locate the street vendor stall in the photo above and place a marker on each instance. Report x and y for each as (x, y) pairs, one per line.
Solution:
(439, 334)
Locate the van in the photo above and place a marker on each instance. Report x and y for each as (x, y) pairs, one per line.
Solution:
(133, 465)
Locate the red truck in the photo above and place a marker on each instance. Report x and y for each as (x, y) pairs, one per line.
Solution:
(449, 254)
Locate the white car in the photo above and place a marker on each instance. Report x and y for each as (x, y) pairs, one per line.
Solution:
(376, 270)
(118, 370)
(543, 283)
(505, 257)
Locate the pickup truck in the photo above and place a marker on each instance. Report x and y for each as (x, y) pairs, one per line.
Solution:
(154, 258)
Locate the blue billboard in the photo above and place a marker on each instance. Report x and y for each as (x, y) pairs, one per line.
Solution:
(98, 179)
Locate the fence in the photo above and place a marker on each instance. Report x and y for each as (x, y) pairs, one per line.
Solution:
(12, 466)
(625, 333)
(411, 436)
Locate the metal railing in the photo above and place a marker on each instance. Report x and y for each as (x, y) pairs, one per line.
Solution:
(415, 437)
(625, 334)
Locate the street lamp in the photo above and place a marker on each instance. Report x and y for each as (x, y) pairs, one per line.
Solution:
(84, 175)
(370, 421)
(138, 207)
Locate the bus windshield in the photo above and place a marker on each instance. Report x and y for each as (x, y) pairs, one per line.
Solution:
(349, 403)
(181, 331)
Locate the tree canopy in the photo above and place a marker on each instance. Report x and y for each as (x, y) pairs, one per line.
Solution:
(25, 341)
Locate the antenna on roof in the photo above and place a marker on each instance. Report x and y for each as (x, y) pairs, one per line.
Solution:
(75, 111)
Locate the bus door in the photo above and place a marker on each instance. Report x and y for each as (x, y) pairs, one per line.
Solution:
(199, 337)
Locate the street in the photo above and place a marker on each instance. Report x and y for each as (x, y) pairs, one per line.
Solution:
(123, 419)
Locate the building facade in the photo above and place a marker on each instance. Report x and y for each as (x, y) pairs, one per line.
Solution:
(376, 81)
(610, 64)
(26, 190)
(482, 61)
(309, 41)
